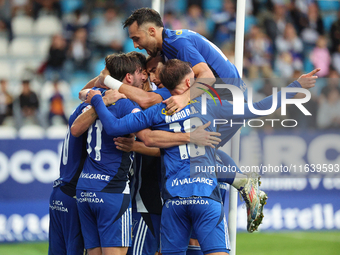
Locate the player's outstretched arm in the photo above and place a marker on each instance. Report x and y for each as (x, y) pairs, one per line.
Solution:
(130, 123)
(87, 118)
(306, 81)
(204, 75)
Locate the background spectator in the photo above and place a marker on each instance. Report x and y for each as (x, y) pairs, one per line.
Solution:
(195, 21)
(258, 48)
(335, 33)
(46, 7)
(290, 42)
(336, 59)
(29, 103)
(79, 51)
(56, 59)
(312, 26)
(74, 21)
(284, 65)
(20, 7)
(56, 105)
(5, 19)
(320, 56)
(275, 22)
(109, 34)
(225, 24)
(328, 115)
(6, 102)
(171, 21)
(280, 44)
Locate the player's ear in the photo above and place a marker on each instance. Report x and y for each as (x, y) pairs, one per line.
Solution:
(152, 31)
(187, 82)
(128, 77)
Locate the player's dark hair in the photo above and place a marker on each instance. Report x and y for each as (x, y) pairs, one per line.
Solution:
(173, 72)
(119, 65)
(149, 58)
(140, 57)
(144, 15)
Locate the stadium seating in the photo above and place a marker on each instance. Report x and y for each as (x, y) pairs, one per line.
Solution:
(22, 25)
(43, 46)
(3, 47)
(25, 68)
(22, 47)
(212, 5)
(47, 25)
(5, 70)
(56, 132)
(31, 132)
(8, 132)
(328, 5)
(328, 21)
(68, 6)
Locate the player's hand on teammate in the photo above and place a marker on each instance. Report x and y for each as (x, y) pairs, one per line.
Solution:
(83, 94)
(101, 77)
(125, 143)
(176, 103)
(91, 94)
(201, 137)
(308, 80)
(112, 96)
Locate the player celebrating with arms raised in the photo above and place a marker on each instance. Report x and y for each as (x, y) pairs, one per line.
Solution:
(191, 199)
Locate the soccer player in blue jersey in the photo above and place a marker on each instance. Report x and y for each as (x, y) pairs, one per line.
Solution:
(103, 192)
(208, 62)
(65, 232)
(77, 128)
(153, 66)
(192, 199)
(222, 159)
(143, 98)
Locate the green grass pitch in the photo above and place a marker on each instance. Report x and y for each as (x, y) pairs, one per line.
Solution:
(292, 243)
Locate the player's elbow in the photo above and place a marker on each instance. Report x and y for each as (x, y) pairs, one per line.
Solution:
(149, 141)
(75, 131)
(146, 103)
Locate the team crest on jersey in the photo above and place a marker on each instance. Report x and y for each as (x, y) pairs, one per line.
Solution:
(164, 112)
(86, 108)
(135, 110)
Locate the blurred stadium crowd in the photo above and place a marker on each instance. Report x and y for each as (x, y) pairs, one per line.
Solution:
(49, 49)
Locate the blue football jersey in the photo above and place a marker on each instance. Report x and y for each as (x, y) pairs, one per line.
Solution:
(106, 168)
(163, 92)
(194, 48)
(146, 186)
(187, 167)
(73, 153)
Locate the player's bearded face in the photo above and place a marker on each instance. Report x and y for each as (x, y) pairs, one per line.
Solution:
(151, 47)
(142, 39)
